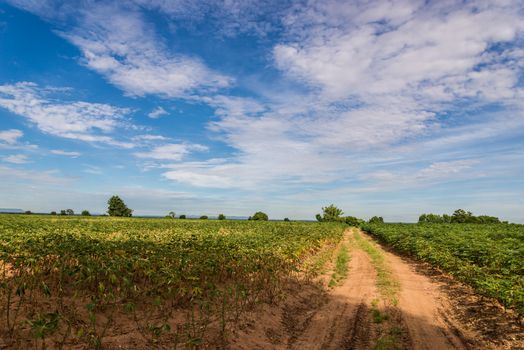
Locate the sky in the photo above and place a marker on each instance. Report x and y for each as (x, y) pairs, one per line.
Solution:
(391, 108)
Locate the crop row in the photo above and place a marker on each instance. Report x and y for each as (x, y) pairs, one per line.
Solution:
(488, 257)
(71, 279)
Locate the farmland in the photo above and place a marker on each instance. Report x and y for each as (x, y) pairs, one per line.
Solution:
(76, 280)
(488, 257)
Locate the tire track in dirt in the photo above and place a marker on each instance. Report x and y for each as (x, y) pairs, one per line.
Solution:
(345, 314)
(424, 311)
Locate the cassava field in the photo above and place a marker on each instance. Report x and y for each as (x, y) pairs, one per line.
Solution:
(128, 283)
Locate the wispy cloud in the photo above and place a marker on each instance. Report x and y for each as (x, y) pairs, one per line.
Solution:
(16, 159)
(157, 113)
(171, 151)
(66, 153)
(11, 136)
(77, 120)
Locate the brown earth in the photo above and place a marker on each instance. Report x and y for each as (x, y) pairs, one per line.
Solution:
(353, 315)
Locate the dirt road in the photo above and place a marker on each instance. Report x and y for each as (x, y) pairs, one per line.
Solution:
(384, 303)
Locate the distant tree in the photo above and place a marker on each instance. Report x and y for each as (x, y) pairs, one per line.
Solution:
(63, 212)
(260, 216)
(70, 212)
(172, 214)
(86, 213)
(221, 217)
(53, 213)
(249, 218)
(461, 216)
(117, 207)
(182, 216)
(330, 213)
(203, 217)
(28, 212)
(286, 219)
(318, 217)
(376, 220)
(353, 221)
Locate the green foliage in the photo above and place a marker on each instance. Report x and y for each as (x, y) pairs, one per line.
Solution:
(172, 214)
(28, 212)
(259, 216)
(353, 221)
(63, 212)
(143, 268)
(203, 217)
(221, 217)
(460, 216)
(319, 217)
(286, 219)
(86, 213)
(330, 213)
(376, 220)
(53, 213)
(117, 207)
(489, 257)
(183, 216)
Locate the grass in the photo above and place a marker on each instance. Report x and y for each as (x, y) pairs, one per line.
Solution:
(341, 266)
(386, 284)
(389, 341)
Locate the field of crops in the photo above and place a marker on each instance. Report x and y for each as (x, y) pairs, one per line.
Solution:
(67, 281)
(488, 257)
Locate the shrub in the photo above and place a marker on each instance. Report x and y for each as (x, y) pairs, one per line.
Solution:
(182, 216)
(376, 220)
(286, 219)
(221, 217)
(203, 217)
(86, 213)
(260, 216)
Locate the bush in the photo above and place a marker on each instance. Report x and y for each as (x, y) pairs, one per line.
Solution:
(330, 213)
(28, 212)
(86, 213)
(353, 221)
(221, 217)
(259, 216)
(203, 217)
(376, 220)
(286, 219)
(117, 207)
(53, 213)
(182, 216)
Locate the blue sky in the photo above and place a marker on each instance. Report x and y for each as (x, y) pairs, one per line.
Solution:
(389, 108)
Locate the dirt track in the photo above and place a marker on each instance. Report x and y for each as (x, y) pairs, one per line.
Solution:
(356, 315)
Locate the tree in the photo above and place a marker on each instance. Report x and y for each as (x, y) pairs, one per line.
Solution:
(203, 217)
(117, 207)
(330, 213)
(70, 212)
(53, 213)
(86, 213)
(353, 221)
(28, 212)
(376, 220)
(172, 214)
(286, 219)
(63, 212)
(319, 217)
(182, 216)
(221, 217)
(260, 216)
(461, 216)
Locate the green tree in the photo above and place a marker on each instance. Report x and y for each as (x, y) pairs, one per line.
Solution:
(183, 216)
(63, 212)
(331, 213)
(286, 219)
(28, 212)
(260, 216)
(53, 213)
(203, 217)
(86, 213)
(461, 216)
(376, 220)
(221, 217)
(117, 207)
(70, 212)
(318, 217)
(172, 214)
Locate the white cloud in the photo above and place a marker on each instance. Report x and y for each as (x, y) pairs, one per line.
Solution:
(11, 136)
(171, 151)
(77, 120)
(16, 159)
(65, 153)
(157, 113)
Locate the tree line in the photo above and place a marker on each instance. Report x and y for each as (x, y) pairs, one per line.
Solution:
(459, 216)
